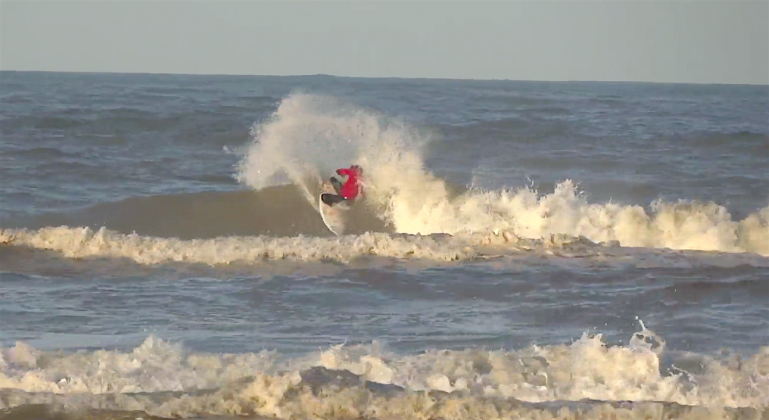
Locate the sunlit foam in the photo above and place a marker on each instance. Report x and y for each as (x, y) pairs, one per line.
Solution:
(309, 136)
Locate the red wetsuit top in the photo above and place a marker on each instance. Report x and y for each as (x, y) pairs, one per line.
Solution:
(351, 188)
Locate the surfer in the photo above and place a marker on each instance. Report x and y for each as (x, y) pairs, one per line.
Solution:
(346, 182)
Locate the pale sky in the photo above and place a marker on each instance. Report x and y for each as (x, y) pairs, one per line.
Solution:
(695, 41)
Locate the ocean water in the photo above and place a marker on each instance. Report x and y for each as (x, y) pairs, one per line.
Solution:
(524, 250)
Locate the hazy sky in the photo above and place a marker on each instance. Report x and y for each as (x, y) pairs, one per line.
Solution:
(700, 41)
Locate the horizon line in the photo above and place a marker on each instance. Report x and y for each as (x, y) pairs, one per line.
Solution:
(160, 73)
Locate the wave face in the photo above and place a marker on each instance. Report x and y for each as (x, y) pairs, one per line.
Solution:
(274, 211)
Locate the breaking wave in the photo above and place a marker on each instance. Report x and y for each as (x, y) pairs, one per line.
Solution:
(309, 136)
(586, 378)
(304, 141)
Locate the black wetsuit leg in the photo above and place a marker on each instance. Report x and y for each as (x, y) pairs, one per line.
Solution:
(331, 199)
(336, 184)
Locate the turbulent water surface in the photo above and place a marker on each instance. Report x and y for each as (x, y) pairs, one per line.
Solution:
(523, 249)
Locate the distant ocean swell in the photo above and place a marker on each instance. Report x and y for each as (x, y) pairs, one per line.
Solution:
(127, 118)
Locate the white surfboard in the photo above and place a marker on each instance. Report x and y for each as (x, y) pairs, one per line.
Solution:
(333, 216)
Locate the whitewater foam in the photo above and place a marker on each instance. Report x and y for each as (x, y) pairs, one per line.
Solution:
(85, 242)
(504, 247)
(164, 379)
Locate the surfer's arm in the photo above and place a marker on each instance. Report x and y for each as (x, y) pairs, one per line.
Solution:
(344, 175)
